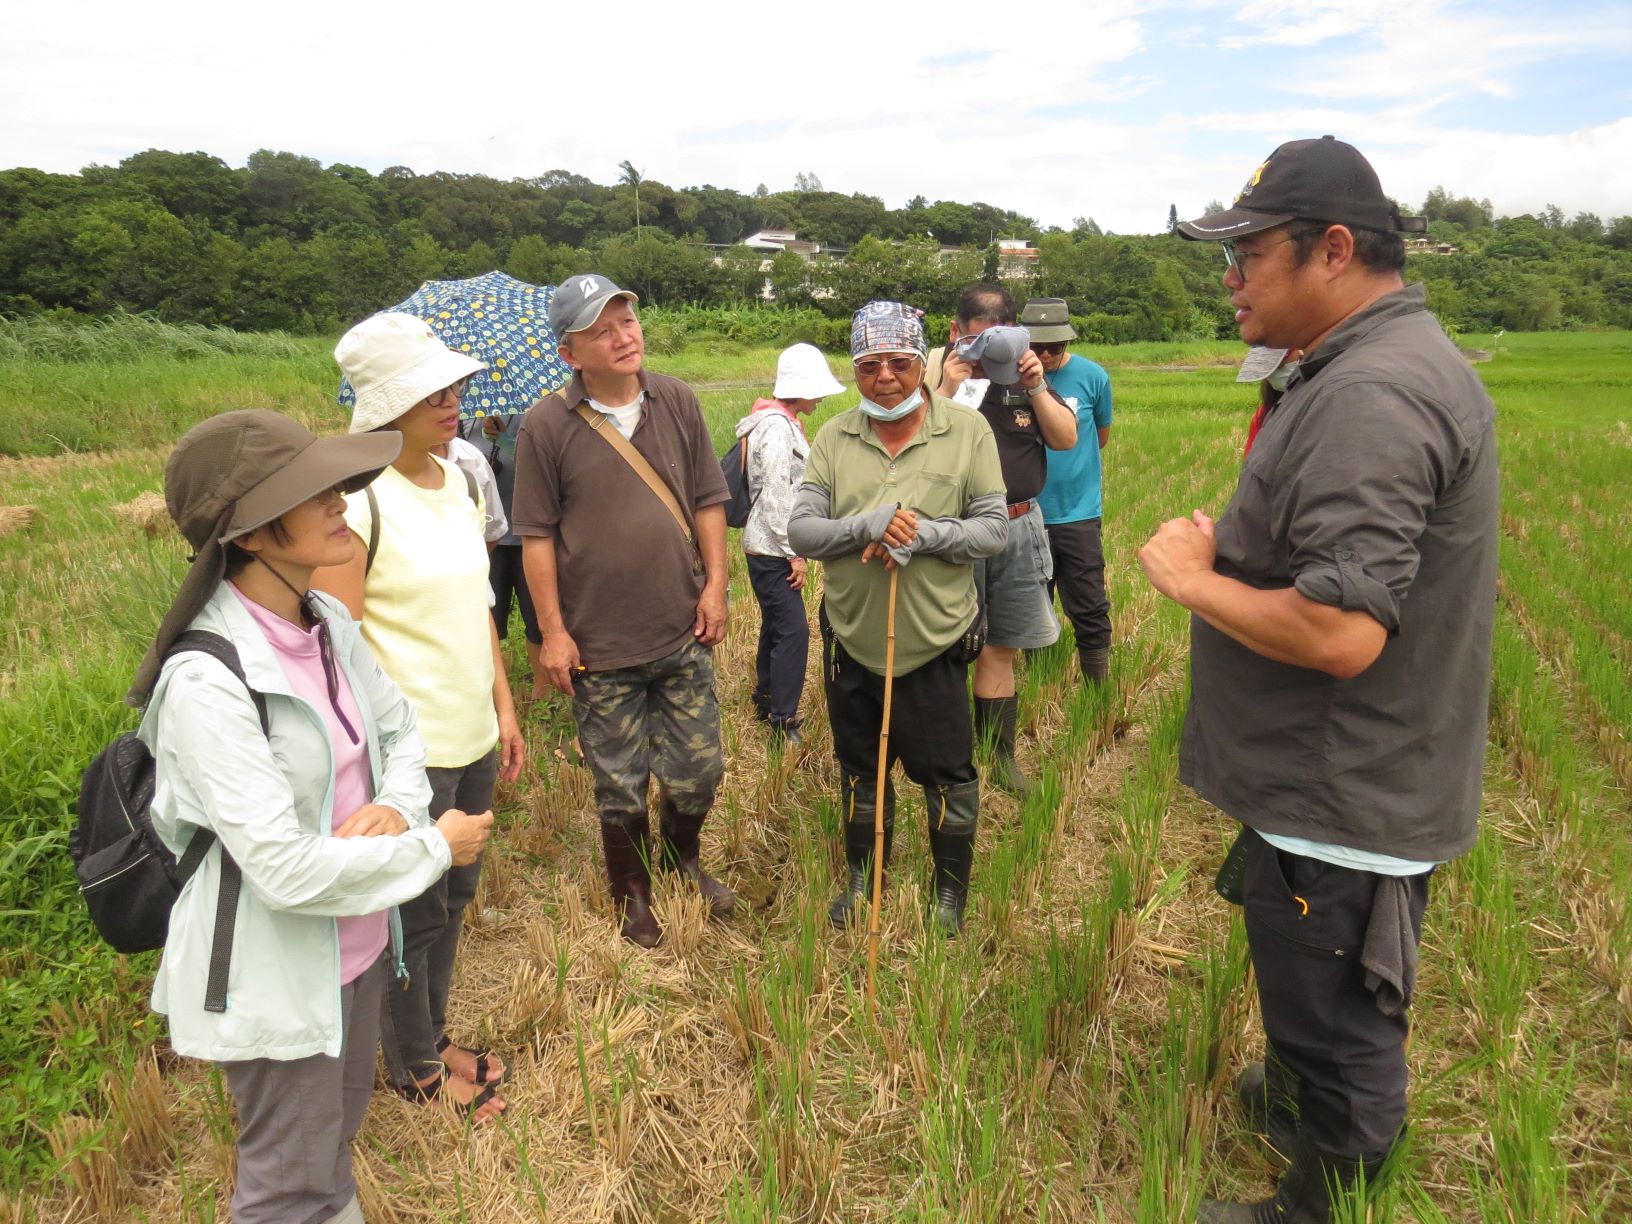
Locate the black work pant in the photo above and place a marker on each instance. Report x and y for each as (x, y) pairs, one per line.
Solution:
(930, 729)
(1079, 576)
(505, 576)
(784, 639)
(1306, 924)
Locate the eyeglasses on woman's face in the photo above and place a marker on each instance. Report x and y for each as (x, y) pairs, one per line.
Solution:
(452, 393)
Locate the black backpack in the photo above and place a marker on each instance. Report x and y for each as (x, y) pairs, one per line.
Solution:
(734, 467)
(128, 877)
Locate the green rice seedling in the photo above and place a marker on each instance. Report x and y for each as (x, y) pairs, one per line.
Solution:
(1165, 1108)
(1496, 958)
(531, 1190)
(1532, 1177)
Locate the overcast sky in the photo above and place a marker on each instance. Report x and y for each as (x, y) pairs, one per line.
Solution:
(1107, 110)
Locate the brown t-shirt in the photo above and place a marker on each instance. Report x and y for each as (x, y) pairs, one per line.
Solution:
(628, 580)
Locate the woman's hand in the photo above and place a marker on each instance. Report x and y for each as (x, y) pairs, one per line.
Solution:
(372, 820)
(466, 834)
(801, 570)
(512, 747)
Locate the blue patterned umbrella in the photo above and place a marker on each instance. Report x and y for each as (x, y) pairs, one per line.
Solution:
(503, 323)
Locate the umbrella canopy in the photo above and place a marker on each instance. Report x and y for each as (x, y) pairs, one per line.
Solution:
(501, 322)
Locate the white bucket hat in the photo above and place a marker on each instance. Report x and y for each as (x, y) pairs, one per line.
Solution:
(393, 360)
(802, 373)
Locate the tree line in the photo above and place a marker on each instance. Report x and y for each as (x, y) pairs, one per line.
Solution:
(286, 243)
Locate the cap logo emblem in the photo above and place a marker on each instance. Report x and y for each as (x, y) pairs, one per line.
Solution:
(1257, 176)
(591, 286)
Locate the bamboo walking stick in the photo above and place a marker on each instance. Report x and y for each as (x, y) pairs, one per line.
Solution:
(878, 800)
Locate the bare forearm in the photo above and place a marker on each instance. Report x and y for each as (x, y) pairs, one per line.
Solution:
(711, 543)
(538, 565)
(1284, 625)
(1056, 422)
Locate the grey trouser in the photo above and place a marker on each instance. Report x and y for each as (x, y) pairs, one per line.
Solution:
(296, 1119)
(416, 1012)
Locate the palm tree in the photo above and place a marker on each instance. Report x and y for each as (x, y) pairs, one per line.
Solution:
(630, 177)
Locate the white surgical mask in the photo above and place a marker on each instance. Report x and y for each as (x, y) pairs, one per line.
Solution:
(905, 408)
(1281, 375)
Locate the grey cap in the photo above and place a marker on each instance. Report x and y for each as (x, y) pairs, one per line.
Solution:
(997, 351)
(1048, 320)
(578, 301)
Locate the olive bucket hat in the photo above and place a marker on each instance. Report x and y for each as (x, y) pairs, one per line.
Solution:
(239, 471)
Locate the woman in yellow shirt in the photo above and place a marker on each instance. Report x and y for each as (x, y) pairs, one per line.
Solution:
(422, 600)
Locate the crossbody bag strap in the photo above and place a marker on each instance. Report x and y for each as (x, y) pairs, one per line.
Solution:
(598, 422)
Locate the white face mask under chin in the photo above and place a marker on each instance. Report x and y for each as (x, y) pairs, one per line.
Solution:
(1281, 375)
(905, 408)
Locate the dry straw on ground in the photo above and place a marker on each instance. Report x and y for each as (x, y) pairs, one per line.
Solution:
(147, 511)
(16, 518)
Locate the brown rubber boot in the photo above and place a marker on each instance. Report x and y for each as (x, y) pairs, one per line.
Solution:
(682, 840)
(626, 843)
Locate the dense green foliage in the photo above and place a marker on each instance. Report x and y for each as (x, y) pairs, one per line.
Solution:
(286, 243)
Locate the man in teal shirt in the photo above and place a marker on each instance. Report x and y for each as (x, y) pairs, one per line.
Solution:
(1071, 497)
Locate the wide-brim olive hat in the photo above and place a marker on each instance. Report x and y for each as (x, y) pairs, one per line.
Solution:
(1048, 319)
(239, 471)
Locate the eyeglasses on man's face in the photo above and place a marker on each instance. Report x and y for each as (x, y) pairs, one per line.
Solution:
(452, 393)
(868, 367)
(1237, 259)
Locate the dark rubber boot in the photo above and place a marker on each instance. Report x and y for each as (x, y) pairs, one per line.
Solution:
(856, 804)
(626, 843)
(1268, 1092)
(1095, 665)
(682, 838)
(1304, 1193)
(994, 726)
(954, 813)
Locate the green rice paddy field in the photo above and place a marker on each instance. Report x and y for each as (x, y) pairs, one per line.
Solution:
(1069, 1059)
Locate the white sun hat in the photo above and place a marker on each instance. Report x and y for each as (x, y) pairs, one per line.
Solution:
(802, 373)
(393, 360)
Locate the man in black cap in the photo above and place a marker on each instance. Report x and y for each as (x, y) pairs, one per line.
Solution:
(1342, 608)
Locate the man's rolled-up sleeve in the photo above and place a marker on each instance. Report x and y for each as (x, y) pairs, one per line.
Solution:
(1362, 478)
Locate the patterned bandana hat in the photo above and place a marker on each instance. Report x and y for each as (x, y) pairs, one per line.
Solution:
(886, 327)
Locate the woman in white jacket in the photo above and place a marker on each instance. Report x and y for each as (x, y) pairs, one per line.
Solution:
(323, 812)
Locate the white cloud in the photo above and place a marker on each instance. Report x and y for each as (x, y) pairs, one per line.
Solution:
(1057, 111)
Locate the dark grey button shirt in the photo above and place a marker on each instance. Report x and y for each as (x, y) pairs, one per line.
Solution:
(1372, 486)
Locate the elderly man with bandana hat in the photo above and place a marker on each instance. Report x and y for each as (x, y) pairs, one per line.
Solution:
(911, 481)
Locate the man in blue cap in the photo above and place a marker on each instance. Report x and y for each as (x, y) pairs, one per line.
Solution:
(1340, 642)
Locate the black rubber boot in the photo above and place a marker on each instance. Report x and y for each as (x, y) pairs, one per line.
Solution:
(626, 843)
(954, 813)
(856, 803)
(1304, 1193)
(1095, 665)
(785, 732)
(1268, 1092)
(682, 835)
(994, 726)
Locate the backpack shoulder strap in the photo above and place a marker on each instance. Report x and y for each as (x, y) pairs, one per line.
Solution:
(626, 449)
(232, 879)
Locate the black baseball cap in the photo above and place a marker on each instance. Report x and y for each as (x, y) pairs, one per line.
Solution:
(1306, 180)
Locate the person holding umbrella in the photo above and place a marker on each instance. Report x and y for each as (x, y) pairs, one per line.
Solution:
(417, 581)
(776, 451)
(909, 482)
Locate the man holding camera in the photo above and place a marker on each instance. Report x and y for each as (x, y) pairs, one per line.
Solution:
(904, 480)
(1340, 643)
(988, 365)
(1071, 498)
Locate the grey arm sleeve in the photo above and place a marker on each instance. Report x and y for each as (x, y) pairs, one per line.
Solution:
(981, 532)
(812, 532)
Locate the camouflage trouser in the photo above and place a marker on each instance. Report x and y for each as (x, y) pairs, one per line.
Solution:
(658, 718)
